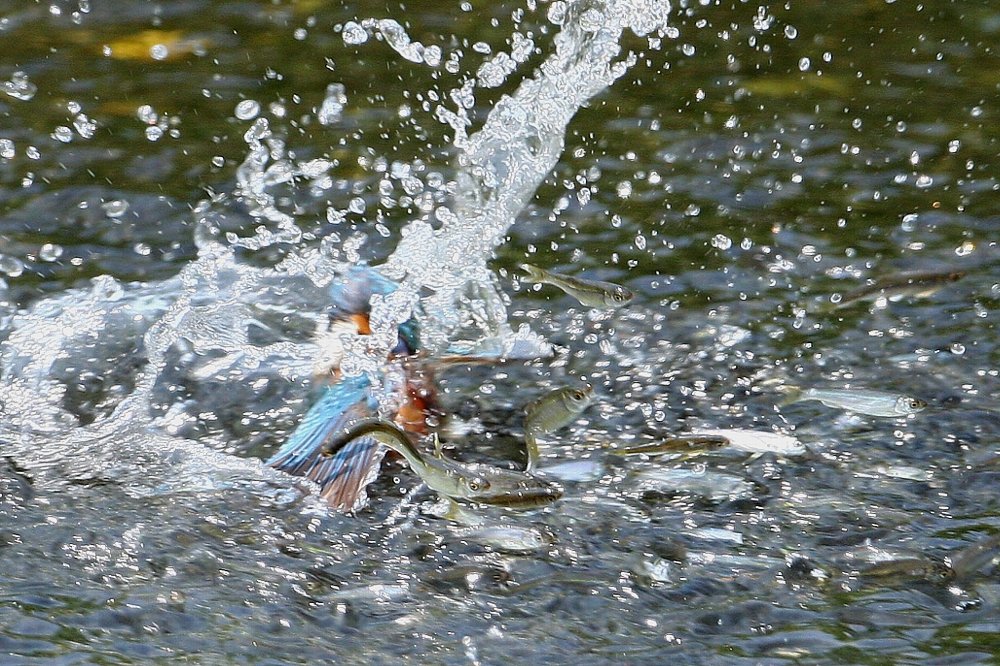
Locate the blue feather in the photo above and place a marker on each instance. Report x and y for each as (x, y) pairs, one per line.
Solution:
(343, 476)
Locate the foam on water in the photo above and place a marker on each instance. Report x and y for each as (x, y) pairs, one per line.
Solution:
(96, 384)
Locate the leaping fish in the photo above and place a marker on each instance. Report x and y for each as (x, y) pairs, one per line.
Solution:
(592, 293)
(917, 284)
(549, 413)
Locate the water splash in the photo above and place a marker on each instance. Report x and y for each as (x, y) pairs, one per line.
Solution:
(502, 165)
(128, 383)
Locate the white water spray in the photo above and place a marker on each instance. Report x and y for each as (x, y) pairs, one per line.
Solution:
(200, 326)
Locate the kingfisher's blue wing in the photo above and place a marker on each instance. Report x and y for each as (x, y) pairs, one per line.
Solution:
(343, 476)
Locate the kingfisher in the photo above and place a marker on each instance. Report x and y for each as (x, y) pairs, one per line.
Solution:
(342, 400)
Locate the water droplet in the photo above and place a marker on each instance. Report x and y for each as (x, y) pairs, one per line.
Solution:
(63, 134)
(804, 64)
(32, 153)
(247, 109)
(159, 52)
(957, 348)
(19, 87)
(357, 205)
(688, 49)
(12, 266)
(791, 32)
(154, 133)
(432, 56)
(50, 252)
(557, 12)
(115, 208)
(85, 127)
(722, 241)
(334, 216)
(146, 114)
(218, 161)
(332, 108)
(7, 149)
(354, 33)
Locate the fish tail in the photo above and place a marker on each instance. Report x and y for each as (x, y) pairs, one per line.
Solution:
(532, 452)
(535, 274)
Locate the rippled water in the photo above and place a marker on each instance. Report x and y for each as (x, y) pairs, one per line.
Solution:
(754, 162)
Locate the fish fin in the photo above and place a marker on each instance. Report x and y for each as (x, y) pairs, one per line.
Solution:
(535, 274)
(532, 454)
(343, 476)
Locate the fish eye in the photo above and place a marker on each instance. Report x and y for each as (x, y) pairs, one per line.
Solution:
(578, 395)
(619, 296)
(917, 403)
(478, 484)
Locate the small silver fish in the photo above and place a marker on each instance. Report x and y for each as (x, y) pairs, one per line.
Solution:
(862, 401)
(551, 412)
(677, 444)
(903, 285)
(592, 293)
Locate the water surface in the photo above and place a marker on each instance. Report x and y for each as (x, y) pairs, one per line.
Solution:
(747, 168)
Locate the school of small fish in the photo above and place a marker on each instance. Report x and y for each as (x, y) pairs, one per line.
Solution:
(559, 407)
